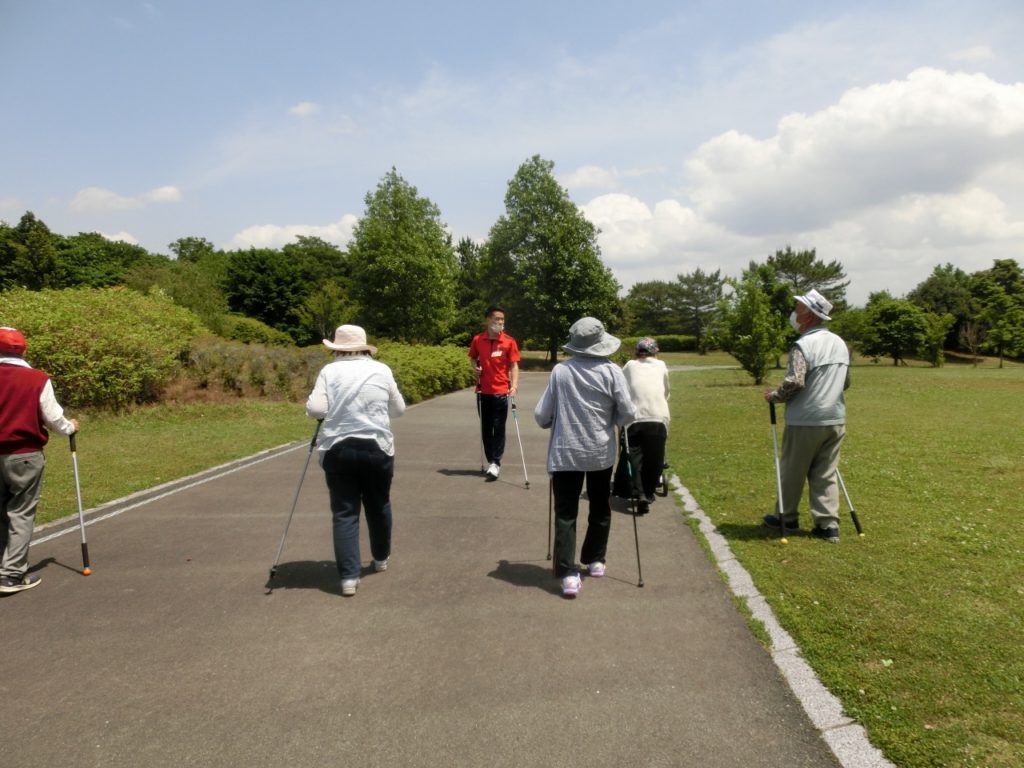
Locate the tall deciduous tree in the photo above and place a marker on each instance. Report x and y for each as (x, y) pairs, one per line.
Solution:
(946, 291)
(894, 328)
(29, 256)
(264, 284)
(403, 265)
(549, 255)
(751, 331)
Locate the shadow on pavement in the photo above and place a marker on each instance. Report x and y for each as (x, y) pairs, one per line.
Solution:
(306, 574)
(526, 574)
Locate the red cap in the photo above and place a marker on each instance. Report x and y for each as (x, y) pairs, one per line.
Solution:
(12, 342)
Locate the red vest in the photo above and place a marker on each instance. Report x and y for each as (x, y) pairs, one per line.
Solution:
(21, 421)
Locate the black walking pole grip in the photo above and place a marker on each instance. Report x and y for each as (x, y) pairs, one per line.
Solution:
(771, 410)
(72, 438)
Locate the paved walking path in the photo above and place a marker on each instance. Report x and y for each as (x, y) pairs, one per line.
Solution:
(464, 653)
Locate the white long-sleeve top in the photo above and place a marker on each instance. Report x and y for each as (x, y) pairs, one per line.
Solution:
(647, 378)
(356, 396)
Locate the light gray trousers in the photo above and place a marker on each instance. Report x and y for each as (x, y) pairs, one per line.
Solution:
(21, 479)
(811, 454)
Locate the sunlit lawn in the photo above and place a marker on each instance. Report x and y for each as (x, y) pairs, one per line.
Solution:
(919, 626)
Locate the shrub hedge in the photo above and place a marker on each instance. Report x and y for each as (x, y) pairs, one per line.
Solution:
(105, 347)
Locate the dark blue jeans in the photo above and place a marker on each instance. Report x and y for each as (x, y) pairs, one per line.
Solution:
(493, 415)
(566, 487)
(357, 470)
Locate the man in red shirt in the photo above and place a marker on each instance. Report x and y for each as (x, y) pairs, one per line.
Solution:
(27, 408)
(495, 357)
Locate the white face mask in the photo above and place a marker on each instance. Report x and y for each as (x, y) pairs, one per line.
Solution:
(794, 322)
(497, 327)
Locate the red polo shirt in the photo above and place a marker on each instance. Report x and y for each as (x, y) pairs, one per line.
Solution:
(496, 357)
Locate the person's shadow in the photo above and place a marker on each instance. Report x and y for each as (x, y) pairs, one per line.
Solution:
(526, 574)
(306, 574)
(749, 532)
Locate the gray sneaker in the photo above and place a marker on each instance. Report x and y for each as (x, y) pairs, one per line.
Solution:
(12, 584)
(830, 534)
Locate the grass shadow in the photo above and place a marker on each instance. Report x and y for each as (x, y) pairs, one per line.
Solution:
(751, 532)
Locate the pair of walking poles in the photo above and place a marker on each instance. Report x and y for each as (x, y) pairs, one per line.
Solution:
(633, 509)
(778, 484)
(519, 438)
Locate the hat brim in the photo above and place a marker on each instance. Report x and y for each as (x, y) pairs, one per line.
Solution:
(606, 347)
(803, 301)
(350, 347)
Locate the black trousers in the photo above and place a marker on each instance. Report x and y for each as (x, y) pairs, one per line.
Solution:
(493, 415)
(646, 457)
(566, 488)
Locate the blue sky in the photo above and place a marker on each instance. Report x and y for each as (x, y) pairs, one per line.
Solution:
(694, 134)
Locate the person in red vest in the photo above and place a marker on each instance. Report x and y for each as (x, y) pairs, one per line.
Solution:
(495, 357)
(27, 408)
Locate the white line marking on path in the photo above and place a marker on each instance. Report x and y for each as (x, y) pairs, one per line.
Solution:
(206, 476)
(844, 736)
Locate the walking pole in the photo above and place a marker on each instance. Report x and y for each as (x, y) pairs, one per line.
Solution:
(280, 547)
(515, 418)
(853, 512)
(480, 418)
(551, 506)
(86, 570)
(778, 474)
(633, 500)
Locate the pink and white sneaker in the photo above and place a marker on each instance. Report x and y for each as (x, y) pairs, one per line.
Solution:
(571, 585)
(596, 569)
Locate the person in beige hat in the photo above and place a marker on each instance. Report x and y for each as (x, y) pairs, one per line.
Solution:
(586, 397)
(28, 408)
(356, 397)
(817, 376)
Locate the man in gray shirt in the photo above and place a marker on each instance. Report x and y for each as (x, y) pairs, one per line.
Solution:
(585, 399)
(817, 375)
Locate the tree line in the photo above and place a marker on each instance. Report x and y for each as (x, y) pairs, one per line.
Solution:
(404, 278)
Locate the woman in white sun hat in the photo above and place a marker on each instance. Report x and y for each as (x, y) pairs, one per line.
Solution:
(356, 396)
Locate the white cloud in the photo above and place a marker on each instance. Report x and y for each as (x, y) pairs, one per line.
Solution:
(275, 236)
(590, 177)
(124, 237)
(304, 109)
(100, 199)
(929, 134)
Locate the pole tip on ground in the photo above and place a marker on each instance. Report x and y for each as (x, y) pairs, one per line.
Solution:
(784, 540)
(861, 535)
(87, 571)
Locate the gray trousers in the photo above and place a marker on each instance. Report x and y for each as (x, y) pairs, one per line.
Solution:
(811, 454)
(21, 479)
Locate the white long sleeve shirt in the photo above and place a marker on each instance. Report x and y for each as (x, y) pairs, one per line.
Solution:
(356, 396)
(52, 413)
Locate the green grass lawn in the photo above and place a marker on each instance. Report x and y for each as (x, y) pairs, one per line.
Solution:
(919, 626)
(118, 455)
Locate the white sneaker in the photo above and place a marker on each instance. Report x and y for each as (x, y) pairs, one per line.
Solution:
(493, 470)
(348, 587)
(571, 585)
(596, 569)
(381, 565)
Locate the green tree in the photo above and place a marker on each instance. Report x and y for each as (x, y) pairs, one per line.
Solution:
(473, 291)
(751, 331)
(946, 291)
(193, 249)
(265, 284)
(319, 261)
(655, 307)
(324, 310)
(701, 296)
(188, 285)
(1000, 299)
(29, 256)
(894, 328)
(89, 259)
(548, 256)
(403, 265)
(803, 270)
